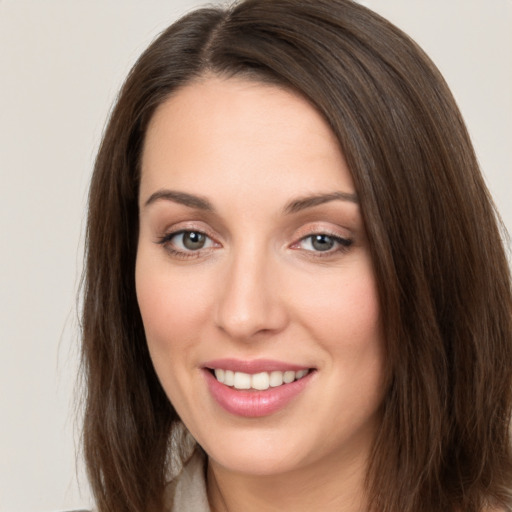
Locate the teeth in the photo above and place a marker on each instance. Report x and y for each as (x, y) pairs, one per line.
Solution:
(276, 379)
(229, 378)
(288, 377)
(259, 381)
(220, 375)
(242, 380)
(300, 374)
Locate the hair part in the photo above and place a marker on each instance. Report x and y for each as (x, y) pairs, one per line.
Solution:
(443, 279)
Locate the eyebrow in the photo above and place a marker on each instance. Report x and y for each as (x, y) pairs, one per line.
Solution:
(303, 203)
(190, 200)
(297, 205)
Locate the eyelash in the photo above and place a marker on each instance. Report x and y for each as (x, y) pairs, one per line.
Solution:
(183, 254)
(342, 245)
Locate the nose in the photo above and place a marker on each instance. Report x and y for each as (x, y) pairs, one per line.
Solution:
(250, 303)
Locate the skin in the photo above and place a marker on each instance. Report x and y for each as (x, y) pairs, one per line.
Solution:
(260, 289)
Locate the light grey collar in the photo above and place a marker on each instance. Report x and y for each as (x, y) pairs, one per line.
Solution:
(187, 492)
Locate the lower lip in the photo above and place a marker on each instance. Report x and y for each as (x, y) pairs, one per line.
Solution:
(255, 404)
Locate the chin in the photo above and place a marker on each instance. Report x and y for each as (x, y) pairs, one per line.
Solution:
(249, 463)
(258, 453)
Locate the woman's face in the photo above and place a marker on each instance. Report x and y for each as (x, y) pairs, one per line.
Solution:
(253, 264)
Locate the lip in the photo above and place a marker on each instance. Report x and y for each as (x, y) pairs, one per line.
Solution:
(254, 366)
(254, 404)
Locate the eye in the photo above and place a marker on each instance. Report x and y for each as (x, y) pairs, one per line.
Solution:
(321, 242)
(186, 241)
(191, 240)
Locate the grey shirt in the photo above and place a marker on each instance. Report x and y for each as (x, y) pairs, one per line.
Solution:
(187, 491)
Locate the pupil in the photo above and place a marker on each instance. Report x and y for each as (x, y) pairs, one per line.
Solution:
(193, 240)
(322, 242)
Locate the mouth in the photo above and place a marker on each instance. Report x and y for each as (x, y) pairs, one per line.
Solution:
(256, 388)
(260, 381)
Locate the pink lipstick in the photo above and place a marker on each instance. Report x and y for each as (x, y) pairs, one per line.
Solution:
(255, 388)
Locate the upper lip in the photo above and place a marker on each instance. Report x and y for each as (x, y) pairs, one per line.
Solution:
(253, 366)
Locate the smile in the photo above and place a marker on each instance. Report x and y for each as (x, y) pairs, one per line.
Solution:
(256, 388)
(257, 381)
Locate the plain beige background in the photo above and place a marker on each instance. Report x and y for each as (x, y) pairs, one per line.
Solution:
(61, 64)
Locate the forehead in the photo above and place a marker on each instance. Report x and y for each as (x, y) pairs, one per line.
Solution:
(243, 133)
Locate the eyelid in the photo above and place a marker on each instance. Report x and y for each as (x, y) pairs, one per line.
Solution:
(173, 234)
(180, 227)
(343, 241)
(183, 227)
(322, 228)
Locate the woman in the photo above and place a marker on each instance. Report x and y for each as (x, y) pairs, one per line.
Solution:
(292, 253)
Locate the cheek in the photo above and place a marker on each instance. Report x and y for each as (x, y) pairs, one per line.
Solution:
(173, 309)
(173, 306)
(343, 311)
(343, 317)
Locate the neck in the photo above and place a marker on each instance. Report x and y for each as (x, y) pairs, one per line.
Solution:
(326, 487)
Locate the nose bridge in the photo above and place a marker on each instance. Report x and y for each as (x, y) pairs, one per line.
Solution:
(249, 300)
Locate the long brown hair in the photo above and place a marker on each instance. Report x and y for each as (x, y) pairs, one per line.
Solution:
(443, 278)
